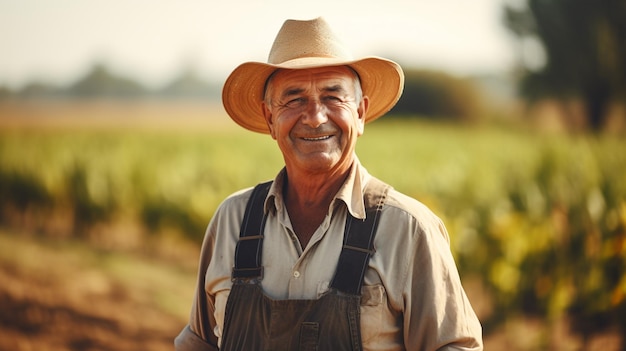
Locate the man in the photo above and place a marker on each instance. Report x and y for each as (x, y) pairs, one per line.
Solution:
(325, 257)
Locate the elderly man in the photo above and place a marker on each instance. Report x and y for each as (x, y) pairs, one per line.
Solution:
(325, 256)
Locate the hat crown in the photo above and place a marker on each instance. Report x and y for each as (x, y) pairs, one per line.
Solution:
(301, 39)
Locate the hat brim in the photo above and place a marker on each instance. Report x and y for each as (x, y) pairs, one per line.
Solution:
(382, 81)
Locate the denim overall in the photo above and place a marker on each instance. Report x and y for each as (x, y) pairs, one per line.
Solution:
(255, 322)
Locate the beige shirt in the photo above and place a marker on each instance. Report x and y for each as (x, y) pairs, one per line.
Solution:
(412, 294)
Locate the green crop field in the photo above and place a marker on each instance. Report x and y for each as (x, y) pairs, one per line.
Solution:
(537, 220)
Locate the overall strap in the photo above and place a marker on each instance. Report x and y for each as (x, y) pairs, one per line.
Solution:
(248, 262)
(359, 240)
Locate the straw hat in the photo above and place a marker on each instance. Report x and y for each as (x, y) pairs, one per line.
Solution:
(301, 45)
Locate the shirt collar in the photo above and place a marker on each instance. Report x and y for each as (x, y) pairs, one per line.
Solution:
(350, 193)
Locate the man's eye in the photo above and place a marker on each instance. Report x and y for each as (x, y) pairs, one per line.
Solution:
(297, 102)
(332, 100)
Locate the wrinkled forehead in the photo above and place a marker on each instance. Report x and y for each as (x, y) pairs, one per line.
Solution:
(312, 78)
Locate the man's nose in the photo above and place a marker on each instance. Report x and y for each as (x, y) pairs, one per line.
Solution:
(315, 114)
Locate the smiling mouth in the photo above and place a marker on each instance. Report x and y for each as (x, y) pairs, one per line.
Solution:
(318, 138)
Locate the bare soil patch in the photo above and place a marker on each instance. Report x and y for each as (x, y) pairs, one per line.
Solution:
(68, 297)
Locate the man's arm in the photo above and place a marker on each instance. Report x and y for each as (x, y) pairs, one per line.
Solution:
(198, 335)
(438, 314)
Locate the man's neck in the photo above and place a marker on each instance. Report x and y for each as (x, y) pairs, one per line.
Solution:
(313, 190)
(308, 197)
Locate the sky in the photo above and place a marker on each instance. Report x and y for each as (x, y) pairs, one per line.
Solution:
(57, 41)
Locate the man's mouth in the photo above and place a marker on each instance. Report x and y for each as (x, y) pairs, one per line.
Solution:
(318, 138)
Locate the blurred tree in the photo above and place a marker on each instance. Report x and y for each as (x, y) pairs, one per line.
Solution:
(584, 43)
(5, 92)
(38, 89)
(101, 82)
(189, 84)
(436, 94)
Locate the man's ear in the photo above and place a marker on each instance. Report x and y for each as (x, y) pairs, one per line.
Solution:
(362, 112)
(268, 119)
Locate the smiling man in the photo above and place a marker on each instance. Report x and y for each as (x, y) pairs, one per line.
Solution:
(325, 256)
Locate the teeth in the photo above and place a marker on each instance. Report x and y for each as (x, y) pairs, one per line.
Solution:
(317, 139)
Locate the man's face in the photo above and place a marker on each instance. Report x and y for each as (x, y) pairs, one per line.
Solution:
(315, 117)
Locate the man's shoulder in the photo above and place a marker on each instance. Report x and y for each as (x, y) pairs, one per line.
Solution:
(404, 214)
(230, 212)
(414, 209)
(235, 202)
(239, 199)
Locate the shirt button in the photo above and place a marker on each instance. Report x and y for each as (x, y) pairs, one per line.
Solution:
(296, 274)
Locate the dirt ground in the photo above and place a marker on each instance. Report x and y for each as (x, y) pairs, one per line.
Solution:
(41, 315)
(62, 297)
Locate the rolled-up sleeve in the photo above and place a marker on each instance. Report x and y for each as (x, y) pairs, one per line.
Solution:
(438, 314)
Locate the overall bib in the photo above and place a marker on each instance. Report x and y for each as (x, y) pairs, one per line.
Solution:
(255, 322)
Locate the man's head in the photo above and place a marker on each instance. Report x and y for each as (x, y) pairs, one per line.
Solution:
(316, 116)
(303, 45)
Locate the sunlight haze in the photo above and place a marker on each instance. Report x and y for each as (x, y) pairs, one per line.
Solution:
(152, 41)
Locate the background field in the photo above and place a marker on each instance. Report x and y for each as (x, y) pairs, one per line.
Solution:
(103, 207)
